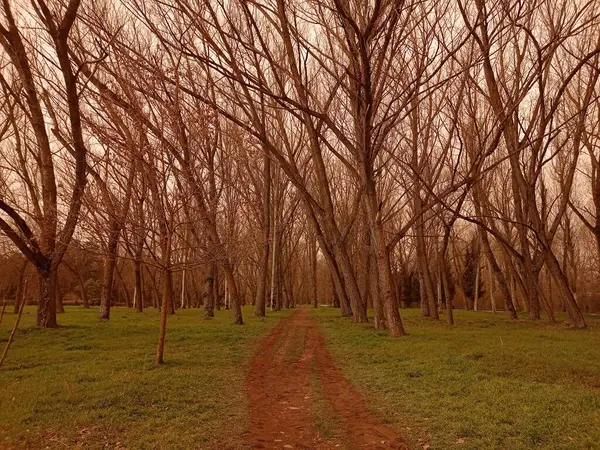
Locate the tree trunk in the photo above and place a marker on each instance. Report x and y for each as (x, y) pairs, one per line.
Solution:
(83, 291)
(477, 272)
(447, 295)
(128, 299)
(109, 274)
(139, 287)
(46, 313)
(313, 269)
(19, 294)
(359, 311)
(209, 292)
(575, 316)
(234, 300)
(498, 274)
(166, 292)
(428, 303)
(263, 266)
(335, 299)
(387, 291)
(380, 323)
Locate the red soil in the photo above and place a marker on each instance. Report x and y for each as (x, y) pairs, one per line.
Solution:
(281, 395)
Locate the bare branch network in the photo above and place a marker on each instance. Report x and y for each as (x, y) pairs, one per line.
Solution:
(363, 153)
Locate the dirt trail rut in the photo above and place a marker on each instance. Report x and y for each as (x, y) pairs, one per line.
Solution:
(281, 396)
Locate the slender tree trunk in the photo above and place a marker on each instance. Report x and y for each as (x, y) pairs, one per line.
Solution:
(499, 275)
(216, 287)
(477, 272)
(380, 323)
(209, 292)
(387, 292)
(183, 302)
(274, 264)
(335, 299)
(234, 300)
(358, 309)
(447, 294)
(279, 280)
(313, 269)
(160, 349)
(139, 287)
(20, 282)
(16, 324)
(339, 297)
(428, 303)
(110, 260)
(263, 266)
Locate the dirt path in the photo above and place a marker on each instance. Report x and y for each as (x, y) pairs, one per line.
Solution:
(283, 374)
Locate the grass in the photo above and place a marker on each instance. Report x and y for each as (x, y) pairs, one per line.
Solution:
(322, 412)
(94, 385)
(295, 348)
(487, 383)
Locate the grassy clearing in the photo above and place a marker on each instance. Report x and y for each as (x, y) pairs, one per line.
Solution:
(488, 383)
(95, 385)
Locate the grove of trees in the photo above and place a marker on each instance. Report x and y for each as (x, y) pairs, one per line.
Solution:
(362, 153)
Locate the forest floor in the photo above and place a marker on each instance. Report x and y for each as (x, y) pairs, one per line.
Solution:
(306, 378)
(300, 400)
(95, 385)
(486, 383)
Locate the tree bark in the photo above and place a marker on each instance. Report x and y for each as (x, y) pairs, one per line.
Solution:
(46, 313)
(20, 282)
(575, 316)
(263, 265)
(313, 269)
(106, 297)
(139, 287)
(209, 292)
(234, 300)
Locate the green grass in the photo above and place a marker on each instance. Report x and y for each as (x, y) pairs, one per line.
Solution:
(322, 412)
(95, 385)
(295, 347)
(487, 383)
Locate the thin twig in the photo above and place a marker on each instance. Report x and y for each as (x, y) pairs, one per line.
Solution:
(12, 333)
(3, 309)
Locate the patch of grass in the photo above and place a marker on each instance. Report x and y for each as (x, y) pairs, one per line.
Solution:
(95, 385)
(323, 415)
(487, 383)
(295, 346)
(277, 346)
